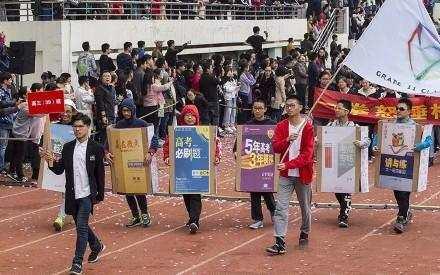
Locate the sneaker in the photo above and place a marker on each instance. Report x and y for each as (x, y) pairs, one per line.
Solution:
(135, 221)
(400, 225)
(146, 220)
(276, 249)
(193, 228)
(12, 176)
(187, 223)
(58, 223)
(22, 180)
(233, 129)
(303, 239)
(343, 221)
(76, 269)
(94, 255)
(256, 225)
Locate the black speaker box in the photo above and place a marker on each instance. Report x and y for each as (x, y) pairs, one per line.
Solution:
(22, 55)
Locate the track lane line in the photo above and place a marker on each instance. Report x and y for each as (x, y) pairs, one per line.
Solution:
(152, 237)
(72, 229)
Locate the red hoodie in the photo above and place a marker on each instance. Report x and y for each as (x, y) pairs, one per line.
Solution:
(304, 161)
(189, 109)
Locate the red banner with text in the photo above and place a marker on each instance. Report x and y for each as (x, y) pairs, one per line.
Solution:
(425, 110)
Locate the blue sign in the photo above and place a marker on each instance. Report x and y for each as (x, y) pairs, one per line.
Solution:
(192, 159)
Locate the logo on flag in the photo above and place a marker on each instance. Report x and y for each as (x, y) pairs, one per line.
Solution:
(400, 49)
(424, 53)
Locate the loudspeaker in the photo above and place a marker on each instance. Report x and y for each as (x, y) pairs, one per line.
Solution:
(22, 55)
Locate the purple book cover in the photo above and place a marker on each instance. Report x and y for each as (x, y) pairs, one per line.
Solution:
(257, 159)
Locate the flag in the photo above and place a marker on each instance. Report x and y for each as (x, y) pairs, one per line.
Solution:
(400, 49)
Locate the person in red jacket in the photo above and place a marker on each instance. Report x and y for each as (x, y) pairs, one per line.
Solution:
(295, 135)
(193, 202)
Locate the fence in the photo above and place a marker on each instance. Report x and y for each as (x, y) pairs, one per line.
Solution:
(37, 10)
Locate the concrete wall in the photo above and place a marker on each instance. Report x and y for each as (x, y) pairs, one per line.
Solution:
(59, 42)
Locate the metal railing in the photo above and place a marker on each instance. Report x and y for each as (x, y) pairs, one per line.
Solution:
(38, 10)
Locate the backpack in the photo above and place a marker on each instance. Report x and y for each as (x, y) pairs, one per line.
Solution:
(82, 66)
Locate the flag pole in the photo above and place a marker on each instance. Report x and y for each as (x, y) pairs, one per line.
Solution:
(309, 114)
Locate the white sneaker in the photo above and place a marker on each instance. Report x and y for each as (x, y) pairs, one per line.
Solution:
(256, 225)
(233, 128)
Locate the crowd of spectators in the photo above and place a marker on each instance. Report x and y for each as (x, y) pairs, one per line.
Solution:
(160, 83)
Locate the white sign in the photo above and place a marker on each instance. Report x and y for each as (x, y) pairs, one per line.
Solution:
(343, 168)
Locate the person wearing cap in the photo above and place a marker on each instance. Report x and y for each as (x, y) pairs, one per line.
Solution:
(157, 51)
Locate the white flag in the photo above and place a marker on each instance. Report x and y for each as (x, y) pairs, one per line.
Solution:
(400, 49)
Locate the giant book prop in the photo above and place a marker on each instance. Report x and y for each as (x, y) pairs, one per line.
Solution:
(192, 155)
(342, 167)
(130, 175)
(256, 162)
(400, 167)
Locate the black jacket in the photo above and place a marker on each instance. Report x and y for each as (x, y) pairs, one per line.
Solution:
(105, 100)
(208, 87)
(95, 171)
(171, 55)
(106, 64)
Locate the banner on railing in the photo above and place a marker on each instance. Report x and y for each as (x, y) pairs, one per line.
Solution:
(425, 110)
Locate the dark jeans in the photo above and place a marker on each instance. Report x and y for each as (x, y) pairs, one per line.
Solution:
(402, 198)
(84, 233)
(344, 200)
(213, 113)
(18, 150)
(137, 200)
(256, 211)
(34, 158)
(301, 92)
(165, 121)
(193, 203)
(4, 134)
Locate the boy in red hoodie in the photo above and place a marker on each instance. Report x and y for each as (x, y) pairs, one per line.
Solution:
(296, 172)
(193, 202)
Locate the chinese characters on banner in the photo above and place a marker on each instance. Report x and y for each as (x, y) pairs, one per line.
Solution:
(256, 171)
(46, 102)
(342, 167)
(59, 135)
(192, 150)
(129, 173)
(400, 167)
(370, 110)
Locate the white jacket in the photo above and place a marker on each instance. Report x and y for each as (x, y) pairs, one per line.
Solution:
(231, 89)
